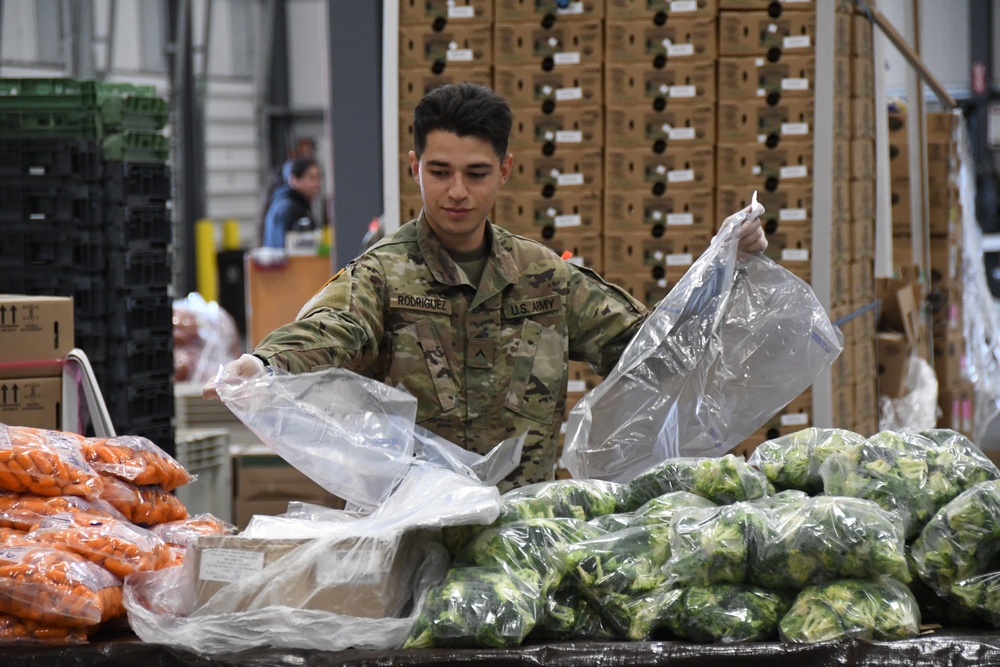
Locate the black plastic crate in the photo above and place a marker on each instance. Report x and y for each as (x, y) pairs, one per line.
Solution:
(133, 312)
(133, 402)
(74, 159)
(140, 266)
(129, 224)
(159, 430)
(91, 336)
(124, 181)
(48, 248)
(132, 361)
(50, 200)
(88, 292)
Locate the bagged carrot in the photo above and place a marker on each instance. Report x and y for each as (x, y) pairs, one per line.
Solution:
(24, 512)
(119, 547)
(19, 631)
(135, 459)
(45, 463)
(9, 535)
(149, 505)
(182, 533)
(54, 587)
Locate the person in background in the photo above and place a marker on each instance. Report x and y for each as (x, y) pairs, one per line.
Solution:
(475, 322)
(291, 205)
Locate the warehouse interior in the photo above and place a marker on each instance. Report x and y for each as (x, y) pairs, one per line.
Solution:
(141, 142)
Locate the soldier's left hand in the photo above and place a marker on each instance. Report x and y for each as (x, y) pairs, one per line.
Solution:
(751, 236)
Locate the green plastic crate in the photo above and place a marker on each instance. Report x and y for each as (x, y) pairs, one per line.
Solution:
(136, 146)
(65, 93)
(36, 123)
(134, 113)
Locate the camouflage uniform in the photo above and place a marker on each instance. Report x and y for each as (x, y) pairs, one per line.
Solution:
(484, 364)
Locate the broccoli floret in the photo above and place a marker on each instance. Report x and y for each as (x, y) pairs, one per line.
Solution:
(712, 545)
(733, 613)
(564, 498)
(793, 461)
(723, 480)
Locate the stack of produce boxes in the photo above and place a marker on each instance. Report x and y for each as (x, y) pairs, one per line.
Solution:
(85, 214)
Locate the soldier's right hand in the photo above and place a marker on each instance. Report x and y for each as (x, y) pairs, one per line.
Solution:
(246, 366)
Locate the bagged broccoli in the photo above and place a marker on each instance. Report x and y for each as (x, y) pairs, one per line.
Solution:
(981, 595)
(730, 613)
(826, 538)
(880, 608)
(492, 607)
(653, 612)
(661, 510)
(713, 545)
(569, 615)
(723, 480)
(562, 498)
(789, 498)
(793, 461)
(954, 464)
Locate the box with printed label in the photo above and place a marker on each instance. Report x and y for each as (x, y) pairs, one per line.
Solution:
(656, 45)
(547, 10)
(745, 122)
(547, 175)
(259, 474)
(633, 169)
(947, 312)
(639, 211)
(893, 352)
(666, 9)
(757, 33)
(840, 160)
(958, 404)
(841, 207)
(457, 44)
(671, 249)
(582, 249)
(571, 85)
(415, 83)
(440, 12)
(36, 334)
(940, 127)
(842, 72)
(899, 208)
(755, 164)
(565, 129)
(753, 77)
(555, 46)
(840, 285)
(546, 217)
(946, 265)
(680, 82)
(840, 241)
(866, 359)
(789, 203)
(764, 5)
(790, 243)
(674, 127)
(34, 402)
(644, 287)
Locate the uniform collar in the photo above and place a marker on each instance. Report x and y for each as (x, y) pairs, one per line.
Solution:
(444, 268)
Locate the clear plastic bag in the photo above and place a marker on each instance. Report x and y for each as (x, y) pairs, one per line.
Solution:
(24, 512)
(713, 545)
(562, 498)
(724, 480)
(135, 459)
(205, 335)
(733, 342)
(148, 505)
(793, 461)
(183, 532)
(730, 613)
(45, 463)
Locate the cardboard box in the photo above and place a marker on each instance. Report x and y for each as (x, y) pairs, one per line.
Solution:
(680, 82)
(644, 41)
(571, 85)
(410, 207)
(893, 352)
(585, 250)
(790, 244)
(862, 200)
(862, 118)
(636, 251)
(544, 218)
(789, 203)
(415, 83)
(840, 241)
(582, 377)
(644, 287)
(865, 357)
(866, 395)
(862, 160)
(958, 409)
(843, 408)
(555, 46)
(755, 164)
(669, 9)
(947, 312)
(941, 127)
(899, 159)
(408, 186)
(566, 170)
(36, 334)
(457, 44)
(34, 402)
(752, 77)
(548, 10)
(861, 36)
(862, 77)
(764, 5)
(950, 360)
(440, 12)
(264, 476)
(568, 128)
(756, 33)
(946, 265)
(840, 285)
(862, 283)
(638, 211)
(633, 169)
(674, 127)
(862, 239)
(840, 210)
(842, 370)
(741, 122)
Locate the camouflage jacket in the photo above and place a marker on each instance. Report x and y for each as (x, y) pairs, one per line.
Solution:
(484, 364)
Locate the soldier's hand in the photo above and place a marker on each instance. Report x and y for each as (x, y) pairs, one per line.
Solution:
(751, 236)
(246, 366)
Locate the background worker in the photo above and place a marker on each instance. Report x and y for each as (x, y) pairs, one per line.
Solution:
(291, 205)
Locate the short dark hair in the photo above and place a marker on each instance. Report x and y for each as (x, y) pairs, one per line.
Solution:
(301, 165)
(465, 109)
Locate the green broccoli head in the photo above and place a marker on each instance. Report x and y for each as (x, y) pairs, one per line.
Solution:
(562, 498)
(712, 545)
(733, 613)
(793, 461)
(723, 480)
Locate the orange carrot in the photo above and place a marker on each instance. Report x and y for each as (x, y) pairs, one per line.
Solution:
(44, 463)
(19, 631)
(24, 512)
(149, 505)
(183, 532)
(135, 459)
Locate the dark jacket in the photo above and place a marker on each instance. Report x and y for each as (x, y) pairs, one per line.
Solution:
(289, 210)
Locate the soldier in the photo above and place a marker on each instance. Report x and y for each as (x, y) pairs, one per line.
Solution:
(477, 323)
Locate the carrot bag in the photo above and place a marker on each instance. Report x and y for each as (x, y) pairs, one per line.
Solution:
(183, 532)
(24, 512)
(45, 463)
(149, 505)
(50, 586)
(135, 459)
(19, 631)
(118, 546)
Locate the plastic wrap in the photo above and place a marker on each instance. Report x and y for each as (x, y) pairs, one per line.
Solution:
(919, 407)
(205, 336)
(8, 535)
(147, 505)
(14, 630)
(183, 532)
(880, 608)
(722, 480)
(793, 461)
(44, 463)
(661, 509)
(25, 512)
(568, 615)
(51, 586)
(135, 459)
(729, 613)
(713, 545)
(827, 538)
(564, 498)
(733, 342)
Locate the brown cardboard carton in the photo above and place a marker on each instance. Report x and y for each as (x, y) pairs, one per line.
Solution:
(753, 77)
(946, 265)
(409, 207)
(861, 36)
(756, 33)
(862, 78)
(866, 395)
(34, 402)
(574, 171)
(862, 118)
(568, 128)
(840, 241)
(36, 333)
(644, 287)
(680, 82)
(950, 360)
(940, 127)
(843, 408)
(791, 202)
(670, 10)
(958, 404)
(547, 217)
(633, 169)
(755, 164)
(893, 363)
(644, 41)
(674, 127)
(569, 85)
(639, 211)
(467, 45)
(899, 159)
(862, 160)
(862, 283)
(641, 250)
(561, 44)
(581, 249)
(862, 239)
(549, 10)
(842, 369)
(408, 186)
(862, 200)
(790, 244)
(741, 122)
(414, 83)
(440, 12)
(582, 377)
(261, 475)
(765, 5)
